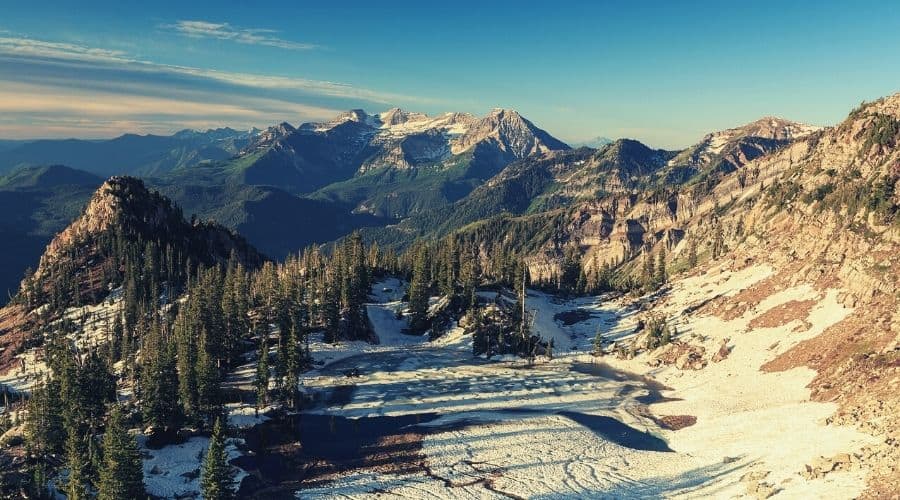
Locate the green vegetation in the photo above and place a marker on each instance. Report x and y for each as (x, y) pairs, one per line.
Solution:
(884, 131)
(658, 331)
(121, 472)
(217, 479)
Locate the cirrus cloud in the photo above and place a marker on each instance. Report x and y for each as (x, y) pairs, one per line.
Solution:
(52, 88)
(225, 31)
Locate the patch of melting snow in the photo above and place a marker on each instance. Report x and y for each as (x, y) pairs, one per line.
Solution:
(174, 470)
(534, 431)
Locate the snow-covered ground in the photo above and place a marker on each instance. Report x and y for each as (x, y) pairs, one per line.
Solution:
(574, 426)
(93, 324)
(765, 418)
(174, 471)
(539, 431)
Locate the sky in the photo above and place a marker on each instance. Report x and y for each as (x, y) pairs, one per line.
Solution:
(665, 73)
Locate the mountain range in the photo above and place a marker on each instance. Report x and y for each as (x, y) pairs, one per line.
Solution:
(756, 273)
(398, 174)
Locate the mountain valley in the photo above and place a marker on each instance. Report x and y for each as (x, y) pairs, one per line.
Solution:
(460, 306)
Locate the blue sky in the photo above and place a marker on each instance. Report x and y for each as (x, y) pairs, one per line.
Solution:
(662, 72)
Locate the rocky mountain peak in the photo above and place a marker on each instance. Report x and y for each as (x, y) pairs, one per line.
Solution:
(632, 157)
(773, 127)
(397, 116)
(123, 206)
(888, 105)
(353, 115)
(511, 132)
(268, 137)
(119, 200)
(275, 132)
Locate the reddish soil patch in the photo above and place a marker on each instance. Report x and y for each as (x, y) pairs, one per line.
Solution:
(292, 453)
(730, 308)
(785, 313)
(857, 372)
(676, 422)
(13, 336)
(668, 422)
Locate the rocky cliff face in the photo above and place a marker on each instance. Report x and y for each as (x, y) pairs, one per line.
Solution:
(731, 149)
(822, 210)
(836, 188)
(510, 132)
(405, 140)
(123, 207)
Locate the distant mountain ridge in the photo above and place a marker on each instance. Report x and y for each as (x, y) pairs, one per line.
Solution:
(286, 187)
(37, 203)
(595, 143)
(130, 153)
(729, 149)
(389, 164)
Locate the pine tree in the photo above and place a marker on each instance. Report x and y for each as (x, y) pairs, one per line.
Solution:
(419, 291)
(208, 390)
(262, 369)
(116, 333)
(217, 481)
(661, 275)
(78, 483)
(571, 270)
(44, 422)
(468, 278)
(331, 315)
(480, 340)
(121, 473)
(160, 392)
(598, 343)
(233, 322)
(718, 242)
(185, 332)
(692, 254)
(292, 376)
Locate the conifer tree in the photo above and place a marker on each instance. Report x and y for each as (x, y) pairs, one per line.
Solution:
(44, 422)
(598, 343)
(121, 472)
(78, 482)
(571, 270)
(467, 276)
(661, 275)
(262, 369)
(330, 306)
(718, 242)
(419, 291)
(185, 332)
(208, 390)
(217, 481)
(520, 315)
(160, 391)
(292, 375)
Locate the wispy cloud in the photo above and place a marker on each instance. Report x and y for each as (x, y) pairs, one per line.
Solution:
(50, 52)
(43, 111)
(225, 31)
(50, 88)
(30, 47)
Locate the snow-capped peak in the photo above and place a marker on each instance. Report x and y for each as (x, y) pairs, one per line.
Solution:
(767, 127)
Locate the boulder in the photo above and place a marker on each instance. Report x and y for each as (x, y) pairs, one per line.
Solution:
(723, 351)
(15, 436)
(691, 360)
(754, 476)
